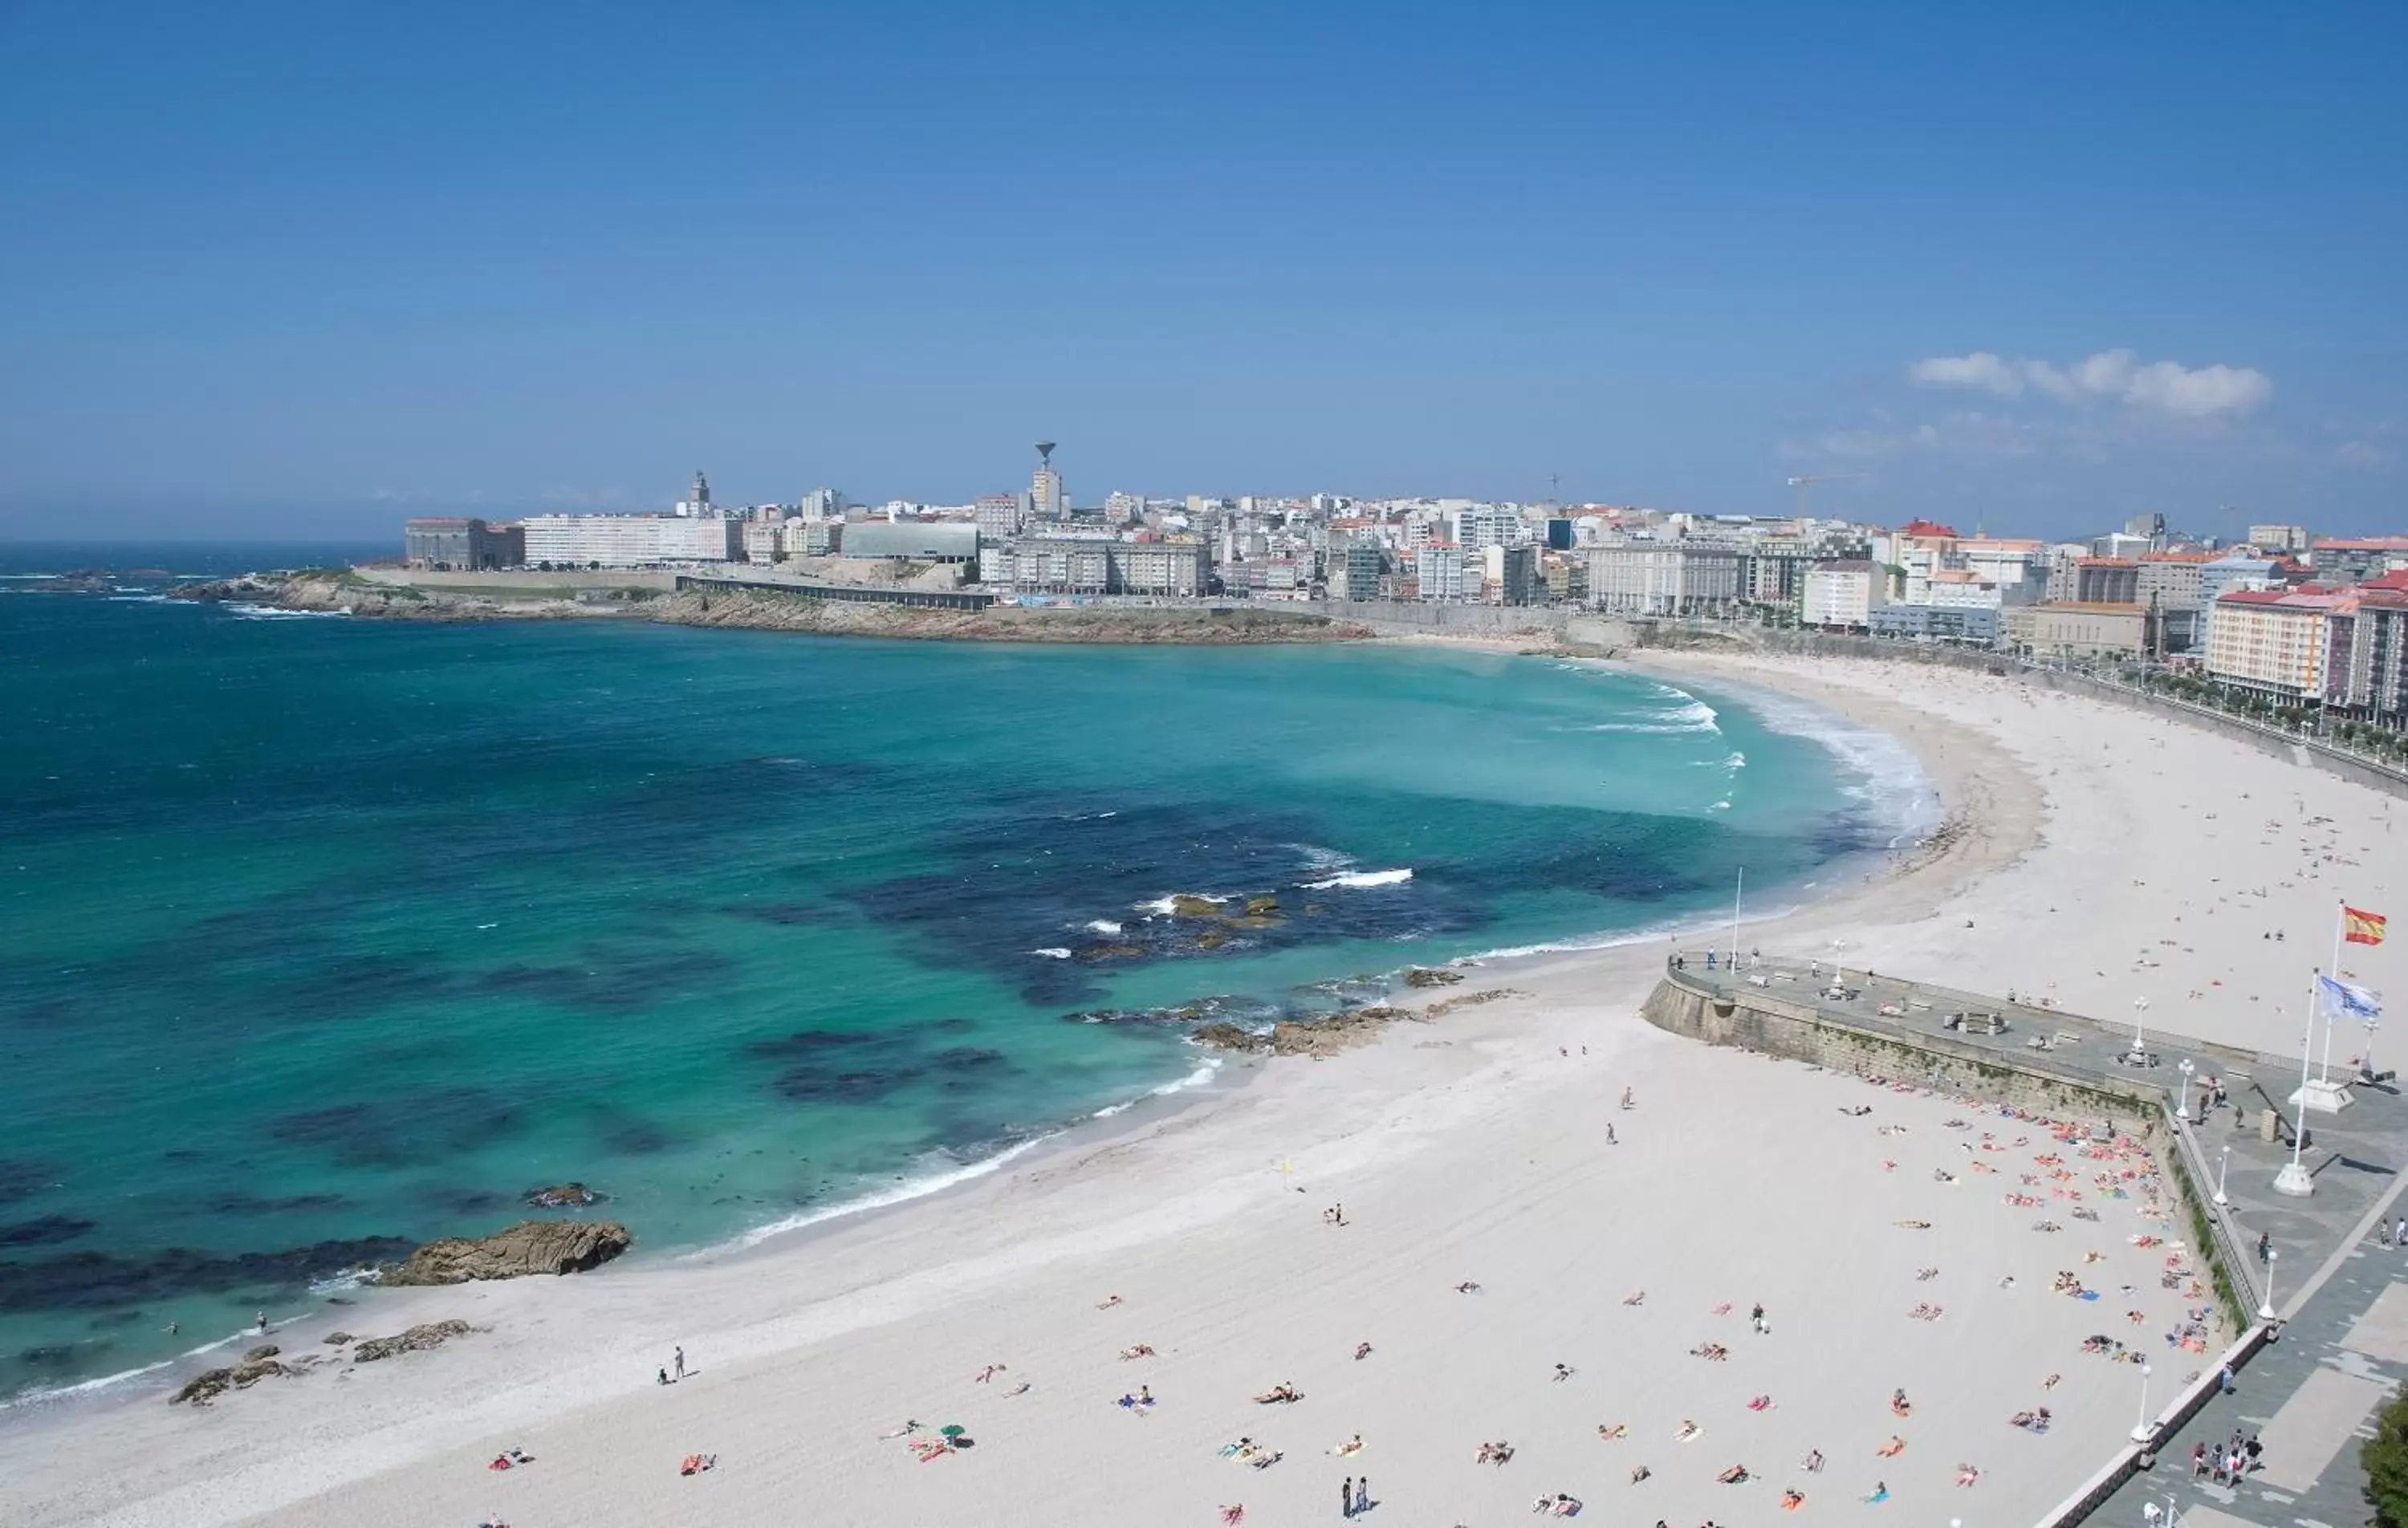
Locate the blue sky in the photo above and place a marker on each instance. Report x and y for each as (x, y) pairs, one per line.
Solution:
(271, 269)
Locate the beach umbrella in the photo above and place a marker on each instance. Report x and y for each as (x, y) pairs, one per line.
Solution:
(953, 1430)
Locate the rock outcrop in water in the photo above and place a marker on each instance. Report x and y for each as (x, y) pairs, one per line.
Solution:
(530, 1247)
(563, 1197)
(1333, 1032)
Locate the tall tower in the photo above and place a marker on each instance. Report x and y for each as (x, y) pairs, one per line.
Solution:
(701, 493)
(1045, 500)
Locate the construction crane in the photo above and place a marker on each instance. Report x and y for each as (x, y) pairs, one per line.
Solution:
(1802, 482)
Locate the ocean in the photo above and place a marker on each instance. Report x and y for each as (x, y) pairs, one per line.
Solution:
(324, 938)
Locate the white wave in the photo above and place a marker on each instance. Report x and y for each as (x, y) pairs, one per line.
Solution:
(1195, 1078)
(1691, 715)
(135, 596)
(1054, 954)
(1889, 781)
(1103, 925)
(1360, 879)
(270, 612)
(344, 1283)
(51, 1394)
(910, 1188)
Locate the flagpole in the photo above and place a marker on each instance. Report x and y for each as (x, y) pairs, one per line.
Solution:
(2293, 1179)
(2324, 1073)
(1736, 889)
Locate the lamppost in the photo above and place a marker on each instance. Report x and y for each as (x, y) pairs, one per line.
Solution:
(2141, 1430)
(2138, 1054)
(2183, 1113)
(2223, 1165)
(2265, 1307)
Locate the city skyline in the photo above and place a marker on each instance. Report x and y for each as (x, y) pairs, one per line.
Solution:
(294, 276)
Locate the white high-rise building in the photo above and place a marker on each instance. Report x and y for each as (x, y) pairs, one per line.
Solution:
(696, 504)
(619, 541)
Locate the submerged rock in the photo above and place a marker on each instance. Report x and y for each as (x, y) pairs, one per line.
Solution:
(530, 1247)
(563, 1197)
(1425, 976)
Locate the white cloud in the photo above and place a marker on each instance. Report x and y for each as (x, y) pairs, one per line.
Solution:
(1972, 434)
(2166, 387)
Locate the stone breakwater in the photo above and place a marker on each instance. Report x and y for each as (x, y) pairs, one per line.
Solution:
(328, 591)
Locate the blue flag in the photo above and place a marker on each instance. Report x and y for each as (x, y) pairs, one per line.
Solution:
(2350, 1000)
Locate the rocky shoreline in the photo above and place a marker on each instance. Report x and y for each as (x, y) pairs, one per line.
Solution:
(340, 592)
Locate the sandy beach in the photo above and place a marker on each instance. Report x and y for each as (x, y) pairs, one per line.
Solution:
(2096, 856)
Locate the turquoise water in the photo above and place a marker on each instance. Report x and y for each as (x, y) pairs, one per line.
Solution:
(324, 937)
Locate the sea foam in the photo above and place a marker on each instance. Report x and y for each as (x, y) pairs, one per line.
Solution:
(1357, 879)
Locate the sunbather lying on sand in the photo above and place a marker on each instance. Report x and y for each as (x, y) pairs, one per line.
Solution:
(1638, 1299)
(1497, 1452)
(1640, 1472)
(1688, 1430)
(1610, 1431)
(1733, 1476)
(1141, 1351)
(1894, 1447)
(696, 1463)
(1792, 1500)
(1278, 1394)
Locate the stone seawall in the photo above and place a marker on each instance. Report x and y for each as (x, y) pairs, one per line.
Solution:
(1777, 1026)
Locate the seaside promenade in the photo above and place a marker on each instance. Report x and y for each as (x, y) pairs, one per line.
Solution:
(2322, 1317)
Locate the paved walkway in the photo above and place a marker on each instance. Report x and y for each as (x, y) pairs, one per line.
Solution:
(2342, 1298)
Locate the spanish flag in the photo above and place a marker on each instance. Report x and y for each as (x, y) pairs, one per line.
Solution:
(2361, 928)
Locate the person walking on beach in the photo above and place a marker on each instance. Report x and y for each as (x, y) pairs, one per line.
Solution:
(1346, 1497)
(1756, 1318)
(1609, 1136)
(260, 1320)
(680, 1362)
(1363, 1494)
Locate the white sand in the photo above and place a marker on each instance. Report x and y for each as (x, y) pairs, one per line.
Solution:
(1469, 1149)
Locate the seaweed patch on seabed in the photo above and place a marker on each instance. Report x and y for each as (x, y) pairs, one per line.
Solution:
(79, 1281)
(21, 1180)
(1033, 876)
(44, 1231)
(615, 983)
(245, 1204)
(826, 1065)
(399, 1132)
